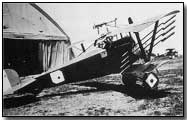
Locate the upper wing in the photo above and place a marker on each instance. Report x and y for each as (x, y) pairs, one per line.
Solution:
(141, 26)
(130, 27)
(164, 30)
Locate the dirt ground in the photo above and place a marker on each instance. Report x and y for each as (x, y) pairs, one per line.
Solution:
(107, 96)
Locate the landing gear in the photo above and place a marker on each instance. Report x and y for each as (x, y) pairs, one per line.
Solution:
(146, 80)
(129, 79)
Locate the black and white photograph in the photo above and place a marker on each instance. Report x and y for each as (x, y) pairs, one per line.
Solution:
(92, 59)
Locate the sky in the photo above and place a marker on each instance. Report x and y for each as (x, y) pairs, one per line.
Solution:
(77, 19)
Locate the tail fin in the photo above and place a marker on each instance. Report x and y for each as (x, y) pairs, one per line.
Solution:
(10, 79)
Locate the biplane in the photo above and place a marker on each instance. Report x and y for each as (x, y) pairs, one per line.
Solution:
(115, 51)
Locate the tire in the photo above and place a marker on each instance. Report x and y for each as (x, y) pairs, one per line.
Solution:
(129, 79)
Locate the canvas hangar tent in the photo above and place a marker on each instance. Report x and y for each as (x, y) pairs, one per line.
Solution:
(32, 41)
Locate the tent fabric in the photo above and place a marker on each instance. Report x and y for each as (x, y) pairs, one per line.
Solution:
(53, 54)
(32, 39)
(32, 57)
(24, 19)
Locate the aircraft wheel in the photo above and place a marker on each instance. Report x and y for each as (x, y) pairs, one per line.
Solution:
(129, 79)
(150, 81)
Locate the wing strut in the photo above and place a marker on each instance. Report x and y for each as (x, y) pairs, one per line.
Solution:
(83, 48)
(139, 42)
(153, 39)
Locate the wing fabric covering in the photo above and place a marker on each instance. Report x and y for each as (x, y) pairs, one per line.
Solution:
(164, 31)
(142, 25)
